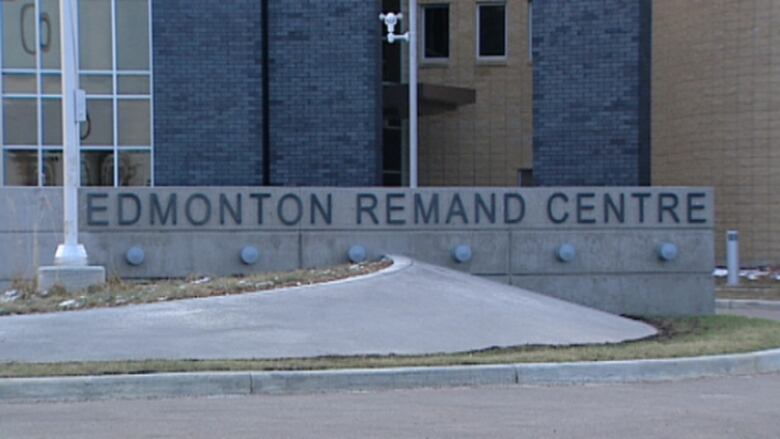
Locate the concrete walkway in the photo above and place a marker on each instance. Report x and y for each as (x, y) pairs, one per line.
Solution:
(411, 308)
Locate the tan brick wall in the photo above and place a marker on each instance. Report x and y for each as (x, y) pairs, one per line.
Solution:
(486, 143)
(716, 113)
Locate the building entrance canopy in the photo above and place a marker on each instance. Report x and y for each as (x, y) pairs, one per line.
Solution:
(434, 99)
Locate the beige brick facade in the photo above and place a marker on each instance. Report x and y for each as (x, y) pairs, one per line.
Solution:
(716, 113)
(486, 143)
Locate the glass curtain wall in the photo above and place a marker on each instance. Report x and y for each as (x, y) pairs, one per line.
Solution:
(115, 71)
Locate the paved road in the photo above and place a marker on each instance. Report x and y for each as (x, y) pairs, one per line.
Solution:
(413, 308)
(717, 408)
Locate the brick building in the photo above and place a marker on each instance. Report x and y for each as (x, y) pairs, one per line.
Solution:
(514, 92)
(296, 93)
(197, 92)
(592, 93)
(716, 113)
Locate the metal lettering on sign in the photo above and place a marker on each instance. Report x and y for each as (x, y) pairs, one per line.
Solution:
(398, 209)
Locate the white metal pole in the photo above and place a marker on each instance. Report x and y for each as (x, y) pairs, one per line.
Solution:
(413, 113)
(70, 253)
(732, 257)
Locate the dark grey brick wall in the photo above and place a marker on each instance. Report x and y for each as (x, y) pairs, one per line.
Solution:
(207, 92)
(591, 92)
(324, 92)
(325, 78)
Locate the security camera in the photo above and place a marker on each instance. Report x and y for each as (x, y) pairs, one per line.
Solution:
(391, 21)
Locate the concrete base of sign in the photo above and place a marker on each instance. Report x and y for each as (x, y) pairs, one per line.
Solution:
(515, 235)
(71, 278)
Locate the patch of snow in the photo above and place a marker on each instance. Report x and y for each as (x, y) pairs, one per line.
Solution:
(201, 281)
(260, 286)
(69, 304)
(753, 275)
(11, 296)
(720, 272)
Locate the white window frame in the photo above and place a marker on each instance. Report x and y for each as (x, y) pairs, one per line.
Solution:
(39, 72)
(478, 36)
(421, 33)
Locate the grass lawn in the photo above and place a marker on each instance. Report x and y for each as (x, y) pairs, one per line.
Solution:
(23, 298)
(753, 285)
(749, 292)
(679, 337)
(760, 288)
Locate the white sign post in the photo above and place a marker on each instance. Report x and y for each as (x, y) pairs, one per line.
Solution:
(391, 21)
(70, 253)
(71, 270)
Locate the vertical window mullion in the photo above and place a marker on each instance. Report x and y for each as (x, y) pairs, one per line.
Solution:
(151, 97)
(478, 33)
(38, 100)
(506, 30)
(480, 29)
(115, 104)
(2, 105)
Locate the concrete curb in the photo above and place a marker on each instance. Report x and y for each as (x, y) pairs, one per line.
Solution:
(124, 387)
(18, 390)
(769, 305)
(399, 263)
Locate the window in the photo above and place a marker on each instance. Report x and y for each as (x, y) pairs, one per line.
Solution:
(491, 30)
(115, 72)
(436, 32)
(525, 177)
(392, 163)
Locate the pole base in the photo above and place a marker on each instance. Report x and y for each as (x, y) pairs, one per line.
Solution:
(71, 278)
(70, 256)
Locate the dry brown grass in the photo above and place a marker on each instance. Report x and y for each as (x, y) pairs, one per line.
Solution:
(118, 293)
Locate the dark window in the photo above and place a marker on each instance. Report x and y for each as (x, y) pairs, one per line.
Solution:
(392, 153)
(436, 35)
(492, 30)
(525, 177)
(393, 145)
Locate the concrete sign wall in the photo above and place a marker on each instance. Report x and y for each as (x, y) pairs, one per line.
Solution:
(625, 250)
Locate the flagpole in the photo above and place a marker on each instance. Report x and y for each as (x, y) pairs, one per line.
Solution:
(70, 253)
